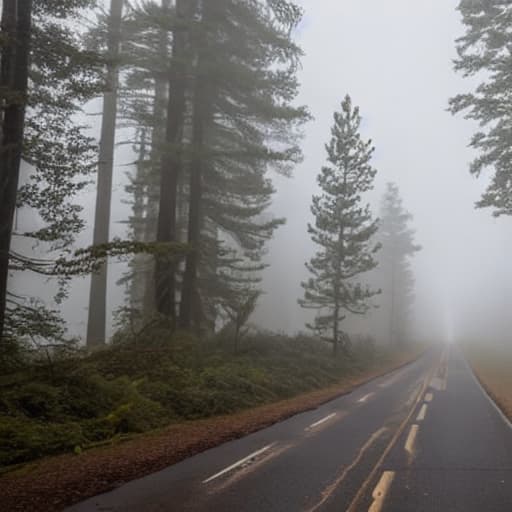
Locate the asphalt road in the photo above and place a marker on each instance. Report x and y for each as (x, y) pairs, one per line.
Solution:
(424, 438)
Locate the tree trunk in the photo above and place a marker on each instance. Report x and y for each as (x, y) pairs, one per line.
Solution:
(171, 165)
(335, 332)
(392, 310)
(96, 323)
(337, 284)
(190, 307)
(137, 284)
(190, 302)
(153, 186)
(16, 29)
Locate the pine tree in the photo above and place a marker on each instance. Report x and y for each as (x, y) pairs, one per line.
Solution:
(243, 126)
(343, 230)
(230, 78)
(394, 273)
(171, 168)
(484, 51)
(148, 75)
(143, 93)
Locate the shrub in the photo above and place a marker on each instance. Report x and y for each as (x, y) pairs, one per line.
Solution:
(36, 400)
(23, 441)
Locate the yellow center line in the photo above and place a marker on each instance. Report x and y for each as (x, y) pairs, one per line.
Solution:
(411, 439)
(327, 493)
(355, 502)
(422, 413)
(445, 379)
(381, 491)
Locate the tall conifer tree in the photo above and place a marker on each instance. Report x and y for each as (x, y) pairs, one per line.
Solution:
(244, 124)
(395, 274)
(343, 230)
(171, 168)
(484, 52)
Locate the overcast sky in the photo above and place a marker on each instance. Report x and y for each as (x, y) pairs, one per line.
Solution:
(395, 59)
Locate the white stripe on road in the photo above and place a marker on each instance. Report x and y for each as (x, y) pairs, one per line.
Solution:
(429, 397)
(381, 491)
(241, 462)
(365, 398)
(323, 420)
(390, 381)
(422, 413)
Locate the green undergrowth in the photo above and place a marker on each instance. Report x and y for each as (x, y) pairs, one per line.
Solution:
(76, 403)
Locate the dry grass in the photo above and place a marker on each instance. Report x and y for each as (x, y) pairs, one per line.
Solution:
(493, 367)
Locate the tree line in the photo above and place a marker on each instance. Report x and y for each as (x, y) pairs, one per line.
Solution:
(208, 91)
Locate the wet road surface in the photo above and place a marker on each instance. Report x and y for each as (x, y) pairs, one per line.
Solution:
(424, 438)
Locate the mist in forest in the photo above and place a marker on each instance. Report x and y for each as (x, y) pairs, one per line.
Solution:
(395, 60)
(400, 72)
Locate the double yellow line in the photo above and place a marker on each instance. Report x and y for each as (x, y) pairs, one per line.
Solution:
(379, 494)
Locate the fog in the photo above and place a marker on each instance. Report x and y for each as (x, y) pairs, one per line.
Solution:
(395, 59)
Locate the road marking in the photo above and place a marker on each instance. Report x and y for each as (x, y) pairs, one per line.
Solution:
(381, 491)
(411, 439)
(445, 380)
(429, 397)
(389, 381)
(436, 383)
(413, 397)
(365, 398)
(360, 493)
(240, 463)
(323, 420)
(422, 413)
(329, 490)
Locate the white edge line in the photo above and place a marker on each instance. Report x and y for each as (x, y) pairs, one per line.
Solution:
(489, 398)
(365, 397)
(323, 420)
(239, 463)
